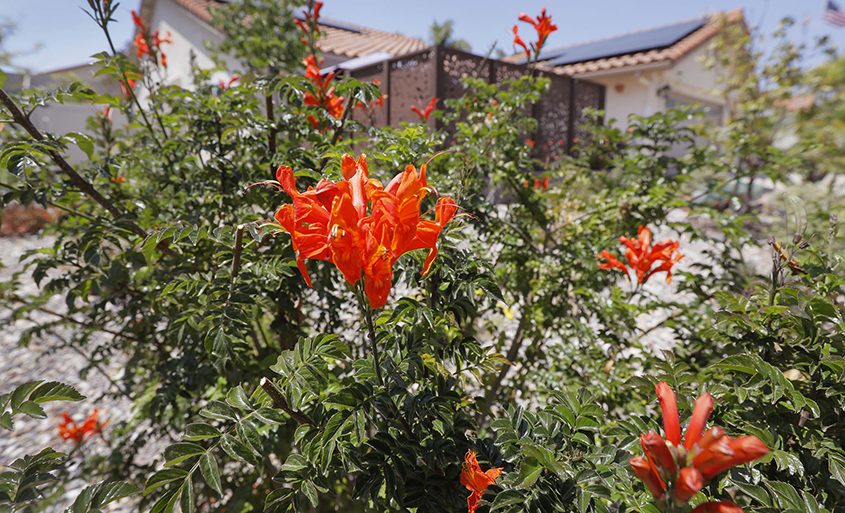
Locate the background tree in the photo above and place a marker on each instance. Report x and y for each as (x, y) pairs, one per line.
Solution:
(443, 34)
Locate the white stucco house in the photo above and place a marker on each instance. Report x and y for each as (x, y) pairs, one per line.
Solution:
(189, 23)
(650, 70)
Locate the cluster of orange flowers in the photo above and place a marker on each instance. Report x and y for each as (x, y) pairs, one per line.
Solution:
(542, 184)
(673, 472)
(308, 24)
(70, 430)
(149, 44)
(425, 113)
(361, 226)
(323, 95)
(641, 257)
(542, 25)
(476, 480)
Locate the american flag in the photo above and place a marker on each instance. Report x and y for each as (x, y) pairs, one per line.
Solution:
(834, 14)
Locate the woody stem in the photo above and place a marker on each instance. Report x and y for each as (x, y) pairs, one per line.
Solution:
(371, 332)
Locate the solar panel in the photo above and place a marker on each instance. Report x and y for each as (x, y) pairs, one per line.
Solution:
(630, 43)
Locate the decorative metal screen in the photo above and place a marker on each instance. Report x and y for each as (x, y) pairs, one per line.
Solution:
(415, 78)
(587, 95)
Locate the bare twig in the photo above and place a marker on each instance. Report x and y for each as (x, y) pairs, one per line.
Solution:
(281, 403)
(271, 136)
(236, 257)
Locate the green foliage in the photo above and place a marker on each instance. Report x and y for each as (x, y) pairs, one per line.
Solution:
(28, 479)
(261, 34)
(93, 499)
(27, 399)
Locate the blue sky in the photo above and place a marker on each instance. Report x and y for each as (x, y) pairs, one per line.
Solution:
(56, 33)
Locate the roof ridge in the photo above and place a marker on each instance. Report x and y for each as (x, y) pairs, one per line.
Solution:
(341, 25)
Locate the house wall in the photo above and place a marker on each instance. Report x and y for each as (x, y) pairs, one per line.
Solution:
(189, 35)
(192, 34)
(642, 92)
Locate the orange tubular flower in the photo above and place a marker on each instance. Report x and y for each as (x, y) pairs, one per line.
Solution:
(542, 24)
(717, 507)
(224, 84)
(126, 89)
(325, 96)
(542, 184)
(686, 469)
(641, 257)
(149, 45)
(308, 24)
(70, 430)
(361, 226)
(424, 114)
(517, 40)
(476, 480)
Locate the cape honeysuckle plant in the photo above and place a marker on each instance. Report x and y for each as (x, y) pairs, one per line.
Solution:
(361, 226)
(378, 383)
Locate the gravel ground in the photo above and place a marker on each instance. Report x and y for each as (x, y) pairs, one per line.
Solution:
(38, 360)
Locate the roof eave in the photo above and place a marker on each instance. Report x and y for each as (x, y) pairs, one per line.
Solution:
(620, 70)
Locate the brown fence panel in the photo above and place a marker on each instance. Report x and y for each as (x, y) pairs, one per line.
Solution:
(412, 81)
(553, 114)
(376, 116)
(415, 78)
(586, 95)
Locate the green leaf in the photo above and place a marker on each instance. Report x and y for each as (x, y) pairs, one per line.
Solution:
(20, 393)
(55, 391)
(33, 410)
(237, 398)
(94, 498)
(295, 463)
(787, 497)
(187, 501)
(529, 473)
(210, 472)
(83, 141)
(238, 450)
(199, 431)
(179, 452)
(837, 468)
(162, 477)
(217, 410)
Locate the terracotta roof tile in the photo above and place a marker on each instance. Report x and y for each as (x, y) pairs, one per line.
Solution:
(354, 42)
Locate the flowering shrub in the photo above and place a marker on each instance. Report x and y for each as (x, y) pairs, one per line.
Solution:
(275, 385)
